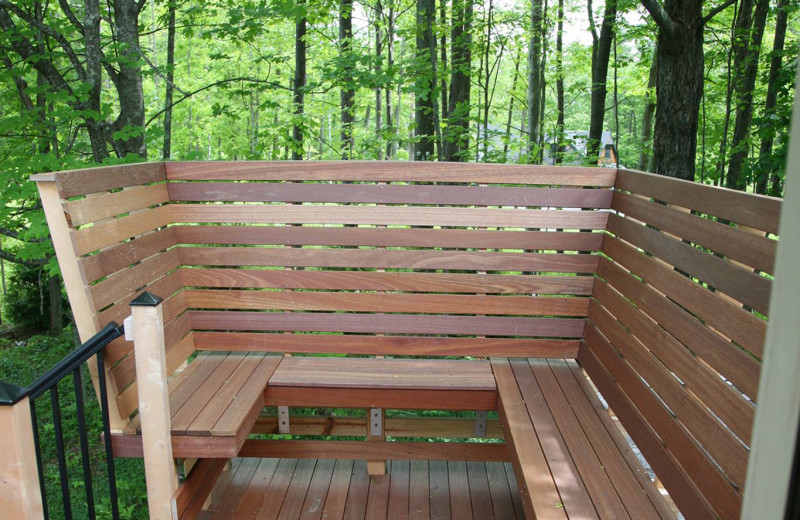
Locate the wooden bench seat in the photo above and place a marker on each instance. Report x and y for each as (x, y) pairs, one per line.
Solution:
(414, 384)
(214, 403)
(569, 457)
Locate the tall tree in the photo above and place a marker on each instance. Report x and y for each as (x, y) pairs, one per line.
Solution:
(299, 81)
(744, 107)
(679, 82)
(601, 53)
(456, 139)
(443, 58)
(348, 93)
(130, 122)
(170, 82)
(425, 88)
(559, 151)
(534, 79)
(767, 171)
(646, 154)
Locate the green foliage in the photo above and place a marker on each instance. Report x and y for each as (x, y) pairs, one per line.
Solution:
(29, 307)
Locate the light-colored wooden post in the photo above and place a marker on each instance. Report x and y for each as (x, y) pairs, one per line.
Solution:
(772, 451)
(151, 375)
(77, 289)
(20, 496)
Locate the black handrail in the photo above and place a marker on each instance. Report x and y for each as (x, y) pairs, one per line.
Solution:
(12, 394)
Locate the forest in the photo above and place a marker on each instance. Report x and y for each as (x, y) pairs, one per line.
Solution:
(685, 88)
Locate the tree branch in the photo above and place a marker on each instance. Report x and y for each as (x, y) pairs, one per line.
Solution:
(660, 16)
(70, 15)
(5, 255)
(140, 5)
(159, 73)
(715, 11)
(46, 29)
(212, 85)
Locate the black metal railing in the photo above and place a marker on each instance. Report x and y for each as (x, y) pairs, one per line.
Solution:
(48, 383)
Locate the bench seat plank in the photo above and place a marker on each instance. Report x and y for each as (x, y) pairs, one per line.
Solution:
(383, 383)
(569, 462)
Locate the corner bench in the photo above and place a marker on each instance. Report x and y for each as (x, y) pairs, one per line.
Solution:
(544, 271)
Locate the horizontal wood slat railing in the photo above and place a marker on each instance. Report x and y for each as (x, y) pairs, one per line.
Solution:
(659, 289)
(675, 330)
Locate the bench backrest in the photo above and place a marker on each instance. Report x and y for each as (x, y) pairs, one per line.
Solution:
(675, 330)
(356, 258)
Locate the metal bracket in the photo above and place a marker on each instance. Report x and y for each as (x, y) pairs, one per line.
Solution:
(128, 325)
(283, 420)
(480, 424)
(375, 421)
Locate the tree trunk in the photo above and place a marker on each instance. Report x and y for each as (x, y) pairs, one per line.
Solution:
(511, 100)
(56, 312)
(744, 107)
(600, 61)
(443, 58)
(771, 101)
(646, 155)
(534, 79)
(390, 142)
(679, 85)
(456, 139)
(168, 94)
(299, 84)
(94, 78)
(348, 93)
(129, 87)
(425, 83)
(378, 73)
(559, 150)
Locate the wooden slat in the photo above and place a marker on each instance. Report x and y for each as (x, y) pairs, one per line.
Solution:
(385, 345)
(108, 205)
(572, 388)
(590, 466)
(714, 437)
(385, 323)
(337, 492)
(727, 359)
(191, 494)
(537, 488)
(115, 288)
(390, 171)
(124, 373)
(423, 374)
(695, 464)
(389, 194)
(236, 489)
(404, 399)
(459, 490)
(237, 416)
(440, 490)
(752, 210)
(398, 506)
(92, 180)
(387, 237)
(382, 302)
(502, 504)
(298, 487)
(125, 254)
(419, 493)
(387, 259)
(682, 489)
(488, 452)
(479, 490)
(110, 232)
(276, 492)
(754, 250)
(576, 500)
(391, 281)
(731, 320)
(384, 215)
(744, 285)
(358, 493)
(317, 490)
(726, 402)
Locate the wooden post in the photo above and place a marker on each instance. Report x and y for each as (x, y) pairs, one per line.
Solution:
(376, 422)
(778, 413)
(20, 496)
(151, 370)
(77, 289)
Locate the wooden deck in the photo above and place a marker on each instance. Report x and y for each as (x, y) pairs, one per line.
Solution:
(289, 489)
